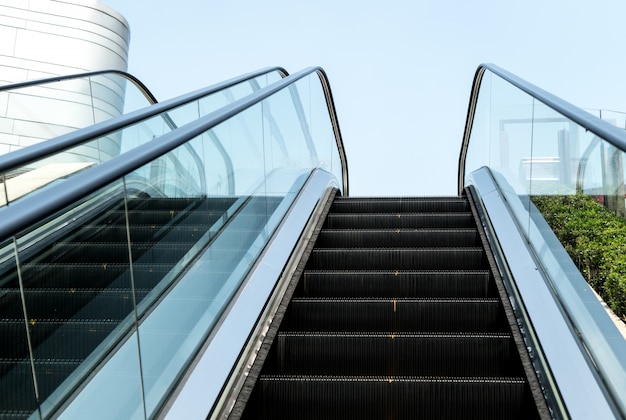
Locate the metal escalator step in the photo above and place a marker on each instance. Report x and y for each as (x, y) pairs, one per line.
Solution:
(69, 339)
(16, 384)
(398, 220)
(73, 339)
(162, 217)
(140, 233)
(395, 315)
(401, 205)
(385, 354)
(13, 332)
(75, 275)
(16, 388)
(391, 283)
(337, 397)
(92, 252)
(346, 238)
(398, 259)
(65, 303)
(93, 275)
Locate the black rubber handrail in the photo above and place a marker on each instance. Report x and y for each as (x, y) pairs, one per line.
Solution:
(614, 135)
(41, 150)
(37, 82)
(26, 212)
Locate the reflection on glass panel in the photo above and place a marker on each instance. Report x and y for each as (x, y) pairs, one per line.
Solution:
(46, 110)
(48, 171)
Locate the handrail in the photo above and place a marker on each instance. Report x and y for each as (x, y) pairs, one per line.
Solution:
(36, 82)
(518, 182)
(38, 151)
(335, 122)
(612, 134)
(28, 211)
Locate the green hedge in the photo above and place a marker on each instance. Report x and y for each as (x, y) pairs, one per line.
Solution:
(595, 239)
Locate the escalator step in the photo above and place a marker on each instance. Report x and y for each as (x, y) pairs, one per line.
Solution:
(68, 339)
(398, 220)
(347, 238)
(140, 233)
(385, 354)
(64, 303)
(342, 283)
(332, 397)
(93, 275)
(16, 388)
(399, 205)
(395, 315)
(13, 332)
(17, 385)
(398, 259)
(177, 204)
(73, 339)
(92, 252)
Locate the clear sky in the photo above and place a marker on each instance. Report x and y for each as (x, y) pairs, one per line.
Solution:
(400, 70)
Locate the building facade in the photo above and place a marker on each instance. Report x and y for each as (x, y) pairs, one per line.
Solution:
(46, 38)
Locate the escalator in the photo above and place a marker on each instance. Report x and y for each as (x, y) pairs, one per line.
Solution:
(398, 314)
(220, 254)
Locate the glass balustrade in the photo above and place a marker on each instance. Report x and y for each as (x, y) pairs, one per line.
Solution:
(41, 110)
(537, 155)
(112, 297)
(49, 170)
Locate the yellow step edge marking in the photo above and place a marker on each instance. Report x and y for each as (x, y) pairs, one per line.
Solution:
(390, 380)
(394, 305)
(104, 266)
(398, 230)
(396, 273)
(33, 322)
(172, 213)
(392, 336)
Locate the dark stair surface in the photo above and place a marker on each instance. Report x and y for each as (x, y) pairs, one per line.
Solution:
(78, 290)
(397, 315)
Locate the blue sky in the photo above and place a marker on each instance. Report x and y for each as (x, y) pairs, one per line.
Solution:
(400, 70)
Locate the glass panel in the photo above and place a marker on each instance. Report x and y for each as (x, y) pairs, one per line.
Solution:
(543, 160)
(165, 248)
(271, 153)
(75, 270)
(52, 170)
(46, 110)
(17, 388)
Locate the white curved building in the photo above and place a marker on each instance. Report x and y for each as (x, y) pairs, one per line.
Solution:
(44, 38)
